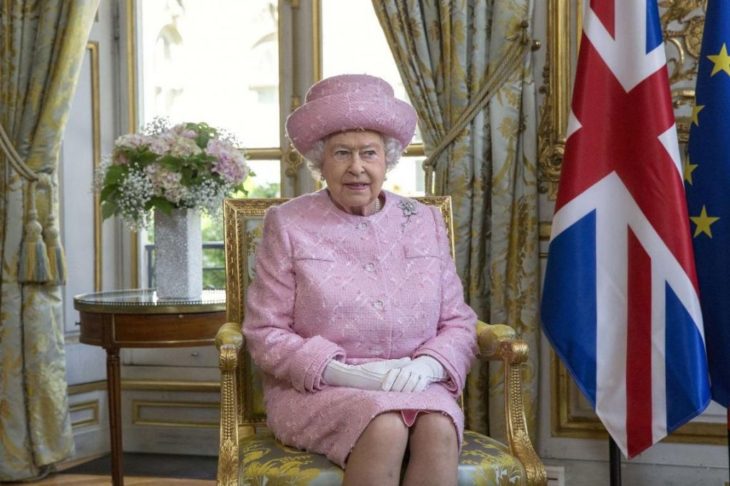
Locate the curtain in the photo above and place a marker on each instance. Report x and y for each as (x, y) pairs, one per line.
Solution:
(42, 46)
(446, 51)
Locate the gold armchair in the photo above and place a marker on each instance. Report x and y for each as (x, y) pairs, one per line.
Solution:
(249, 455)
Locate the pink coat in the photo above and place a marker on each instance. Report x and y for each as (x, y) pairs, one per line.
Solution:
(334, 285)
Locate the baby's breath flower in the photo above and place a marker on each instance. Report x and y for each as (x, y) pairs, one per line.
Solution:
(134, 191)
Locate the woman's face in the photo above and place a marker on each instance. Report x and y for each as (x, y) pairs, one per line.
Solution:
(354, 168)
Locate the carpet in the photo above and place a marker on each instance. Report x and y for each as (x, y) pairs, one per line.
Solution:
(155, 465)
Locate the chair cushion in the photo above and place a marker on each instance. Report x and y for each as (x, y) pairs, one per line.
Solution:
(485, 461)
(266, 461)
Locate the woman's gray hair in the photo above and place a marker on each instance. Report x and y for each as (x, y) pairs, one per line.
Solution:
(315, 157)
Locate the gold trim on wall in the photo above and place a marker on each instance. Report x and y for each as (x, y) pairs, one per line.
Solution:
(556, 88)
(316, 40)
(149, 385)
(273, 153)
(132, 121)
(681, 26)
(137, 419)
(91, 405)
(544, 229)
(93, 48)
(87, 387)
(172, 385)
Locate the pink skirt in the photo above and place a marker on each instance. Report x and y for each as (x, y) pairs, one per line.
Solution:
(409, 416)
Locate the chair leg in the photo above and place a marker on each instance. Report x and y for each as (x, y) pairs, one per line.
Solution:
(228, 447)
(518, 437)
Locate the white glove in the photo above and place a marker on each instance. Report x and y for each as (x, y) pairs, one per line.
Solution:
(366, 376)
(416, 376)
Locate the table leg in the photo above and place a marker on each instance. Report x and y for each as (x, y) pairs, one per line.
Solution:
(114, 395)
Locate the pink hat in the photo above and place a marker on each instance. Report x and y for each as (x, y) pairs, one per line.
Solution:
(350, 102)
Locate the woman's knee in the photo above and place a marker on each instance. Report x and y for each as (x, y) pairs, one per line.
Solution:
(382, 445)
(388, 429)
(434, 431)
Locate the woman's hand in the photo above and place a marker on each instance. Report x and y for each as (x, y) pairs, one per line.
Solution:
(414, 377)
(366, 376)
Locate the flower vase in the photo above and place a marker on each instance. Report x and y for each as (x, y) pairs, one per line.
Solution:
(178, 254)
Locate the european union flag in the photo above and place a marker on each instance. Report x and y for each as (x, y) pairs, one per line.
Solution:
(707, 182)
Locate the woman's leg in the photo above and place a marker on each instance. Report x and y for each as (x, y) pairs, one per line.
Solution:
(377, 456)
(434, 452)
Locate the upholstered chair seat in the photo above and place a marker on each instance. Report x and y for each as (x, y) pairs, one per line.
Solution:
(265, 460)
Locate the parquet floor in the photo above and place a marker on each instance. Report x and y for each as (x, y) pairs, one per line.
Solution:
(142, 470)
(61, 479)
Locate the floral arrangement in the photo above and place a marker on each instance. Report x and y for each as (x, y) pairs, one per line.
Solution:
(188, 165)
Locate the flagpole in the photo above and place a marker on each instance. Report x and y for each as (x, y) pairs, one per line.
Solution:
(615, 462)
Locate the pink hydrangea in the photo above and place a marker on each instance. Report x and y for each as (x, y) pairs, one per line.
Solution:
(131, 141)
(159, 145)
(230, 163)
(166, 183)
(184, 147)
(183, 131)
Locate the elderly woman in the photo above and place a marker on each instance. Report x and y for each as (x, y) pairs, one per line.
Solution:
(356, 315)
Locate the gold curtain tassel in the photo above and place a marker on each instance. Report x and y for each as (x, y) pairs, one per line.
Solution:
(56, 255)
(33, 265)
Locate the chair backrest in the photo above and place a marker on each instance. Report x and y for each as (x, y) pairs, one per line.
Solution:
(243, 230)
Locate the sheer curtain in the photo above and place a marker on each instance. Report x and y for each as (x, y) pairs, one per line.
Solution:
(41, 51)
(449, 54)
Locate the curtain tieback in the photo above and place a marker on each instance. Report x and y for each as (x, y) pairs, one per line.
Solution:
(42, 258)
(510, 61)
(52, 237)
(33, 264)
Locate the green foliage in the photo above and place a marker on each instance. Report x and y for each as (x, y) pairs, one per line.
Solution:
(268, 190)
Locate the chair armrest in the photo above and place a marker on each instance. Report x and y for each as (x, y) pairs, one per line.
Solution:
(229, 341)
(229, 333)
(498, 342)
(492, 338)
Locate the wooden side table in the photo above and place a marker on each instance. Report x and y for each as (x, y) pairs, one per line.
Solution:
(137, 319)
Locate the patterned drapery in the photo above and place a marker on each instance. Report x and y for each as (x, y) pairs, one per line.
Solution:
(445, 51)
(41, 51)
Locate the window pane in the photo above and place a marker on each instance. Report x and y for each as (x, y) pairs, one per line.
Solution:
(266, 181)
(407, 178)
(212, 60)
(367, 52)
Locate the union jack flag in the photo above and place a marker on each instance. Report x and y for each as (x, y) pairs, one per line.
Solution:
(620, 301)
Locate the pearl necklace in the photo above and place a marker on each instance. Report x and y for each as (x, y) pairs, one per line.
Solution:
(377, 205)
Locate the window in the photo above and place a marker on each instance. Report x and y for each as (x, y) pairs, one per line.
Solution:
(214, 61)
(218, 61)
(362, 48)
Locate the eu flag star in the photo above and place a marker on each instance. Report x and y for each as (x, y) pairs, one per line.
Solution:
(689, 167)
(703, 222)
(721, 61)
(695, 112)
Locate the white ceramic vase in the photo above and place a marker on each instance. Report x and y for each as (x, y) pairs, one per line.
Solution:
(178, 255)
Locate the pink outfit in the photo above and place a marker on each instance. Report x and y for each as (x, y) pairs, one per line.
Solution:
(356, 288)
